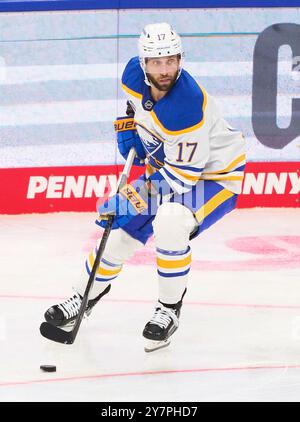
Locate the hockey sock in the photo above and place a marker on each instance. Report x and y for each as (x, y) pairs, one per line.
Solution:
(172, 268)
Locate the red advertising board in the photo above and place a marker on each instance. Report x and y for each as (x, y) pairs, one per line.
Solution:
(271, 185)
(53, 189)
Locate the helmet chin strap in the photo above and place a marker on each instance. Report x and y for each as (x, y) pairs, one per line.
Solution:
(143, 66)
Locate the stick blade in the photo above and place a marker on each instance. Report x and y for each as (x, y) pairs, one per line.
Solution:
(51, 332)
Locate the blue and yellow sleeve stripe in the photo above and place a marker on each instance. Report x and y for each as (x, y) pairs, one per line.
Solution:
(186, 174)
(234, 171)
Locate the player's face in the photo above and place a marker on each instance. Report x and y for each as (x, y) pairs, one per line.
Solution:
(162, 71)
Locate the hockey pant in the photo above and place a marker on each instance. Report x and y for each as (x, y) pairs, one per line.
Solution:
(173, 226)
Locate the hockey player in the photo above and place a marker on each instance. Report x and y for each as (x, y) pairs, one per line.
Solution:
(194, 163)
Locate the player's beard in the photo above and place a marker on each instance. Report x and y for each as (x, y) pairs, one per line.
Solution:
(165, 86)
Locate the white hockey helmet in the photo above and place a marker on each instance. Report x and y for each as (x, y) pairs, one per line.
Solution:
(159, 40)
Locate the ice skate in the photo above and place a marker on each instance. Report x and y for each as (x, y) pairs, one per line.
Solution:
(162, 326)
(64, 314)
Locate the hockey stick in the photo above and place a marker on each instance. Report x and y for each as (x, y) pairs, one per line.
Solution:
(57, 334)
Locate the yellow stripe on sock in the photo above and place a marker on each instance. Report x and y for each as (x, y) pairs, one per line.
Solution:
(101, 270)
(163, 263)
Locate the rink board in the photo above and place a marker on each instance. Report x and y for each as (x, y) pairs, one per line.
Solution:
(53, 189)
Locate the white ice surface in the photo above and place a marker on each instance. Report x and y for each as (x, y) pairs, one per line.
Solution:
(239, 334)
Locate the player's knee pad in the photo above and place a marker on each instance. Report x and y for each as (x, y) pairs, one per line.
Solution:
(172, 226)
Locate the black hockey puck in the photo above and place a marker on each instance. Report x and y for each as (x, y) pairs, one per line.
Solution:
(48, 368)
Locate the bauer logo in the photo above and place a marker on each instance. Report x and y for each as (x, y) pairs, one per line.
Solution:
(124, 124)
(71, 186)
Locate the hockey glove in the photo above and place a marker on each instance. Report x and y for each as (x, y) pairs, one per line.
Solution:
(142, 197)
(127, 138)
(129, 202)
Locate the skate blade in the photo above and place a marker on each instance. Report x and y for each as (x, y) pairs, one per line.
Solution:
(153, 345)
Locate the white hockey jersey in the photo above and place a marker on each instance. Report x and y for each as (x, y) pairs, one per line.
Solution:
(184, 136)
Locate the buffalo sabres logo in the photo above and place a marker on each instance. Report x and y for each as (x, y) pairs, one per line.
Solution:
(150, 141)
(152, 144)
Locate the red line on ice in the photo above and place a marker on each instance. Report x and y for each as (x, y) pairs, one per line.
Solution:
(146, 373)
